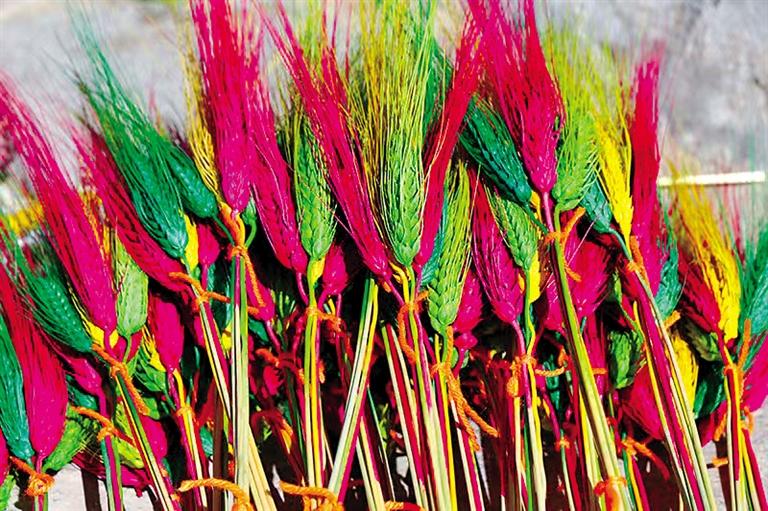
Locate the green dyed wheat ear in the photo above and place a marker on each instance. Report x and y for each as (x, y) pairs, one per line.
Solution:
(317, 224)
(447, 284)
(520, 233)
(396, 59)
(132, 285)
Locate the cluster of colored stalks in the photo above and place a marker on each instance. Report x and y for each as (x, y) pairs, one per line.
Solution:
(379, 267)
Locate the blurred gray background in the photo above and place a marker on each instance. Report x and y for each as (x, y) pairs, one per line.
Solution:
(714, 85)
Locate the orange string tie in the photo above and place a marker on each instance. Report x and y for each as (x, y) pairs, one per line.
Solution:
(241, 498)
(514, 383)
(118, 368)
(333, 320)
(237, 229)
(464, 411)
(39, 482)
(671, 320)
(633, 448)
(562, 236)
(563, 443)
(327, 500)
(107, 426)
(185, 409)
(599, 371)
(562, 366)
(408, 307)
(392, 505)
(719, 462)
(202, 295)
(637, 264)
(611, 489)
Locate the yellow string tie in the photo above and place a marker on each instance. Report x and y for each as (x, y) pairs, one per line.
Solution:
(327, 500)
(241, 498)
(118, 368)
(610, 488)
(39, 482)
(107, 426)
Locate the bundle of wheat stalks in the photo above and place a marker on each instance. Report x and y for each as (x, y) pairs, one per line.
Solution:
(375, 271)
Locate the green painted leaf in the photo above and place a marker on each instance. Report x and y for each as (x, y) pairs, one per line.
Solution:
(705, 343)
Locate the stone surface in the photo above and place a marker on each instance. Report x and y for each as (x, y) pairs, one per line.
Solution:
(714, 106)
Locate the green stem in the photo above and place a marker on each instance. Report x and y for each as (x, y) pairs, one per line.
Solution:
(357, 387)
(591, 397)
(313, 425)
(239, 377)
(160, 483)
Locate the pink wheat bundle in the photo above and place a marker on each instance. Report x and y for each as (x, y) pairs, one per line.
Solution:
(588, 280)
(324, 97)
(525, 91)
(75, 239)
(226, 61)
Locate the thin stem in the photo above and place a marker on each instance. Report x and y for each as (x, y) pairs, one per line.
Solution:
(357, 388)
(588, 387)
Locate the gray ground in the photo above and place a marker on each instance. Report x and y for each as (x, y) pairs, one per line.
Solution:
(715, 85)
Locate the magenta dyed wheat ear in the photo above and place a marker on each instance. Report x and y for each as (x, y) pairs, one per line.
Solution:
(45, 388)
(496, 270)
(76, 240)
(247, 153)
(647, 224)
(445, 135)
(101, 173)
(323, 95)
(525, 91)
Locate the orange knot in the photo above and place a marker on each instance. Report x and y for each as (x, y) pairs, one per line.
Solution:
(562, 236)
(39, 482)
(236, 227)
(184, 410)
(283, 361)
(719, 462)
(327, 500)
(241, 498)
(633, 448)
(563, 443)
(611, 489)
(599, 371)
(514, 383)
(333, 321)
(464, 411)
(391, 505)
(408, 307)
(636, 265)
(107, 426)
(202, 295)
(671, 320)
(117, 368)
